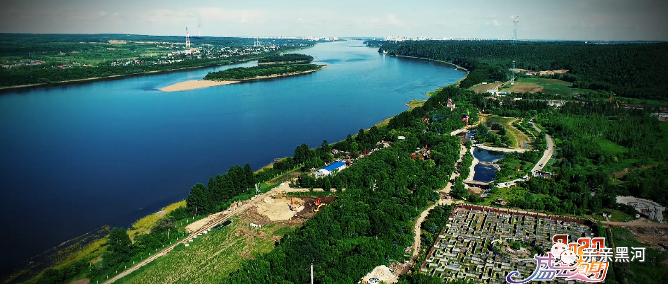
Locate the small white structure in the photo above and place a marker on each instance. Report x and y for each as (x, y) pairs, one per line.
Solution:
(255, 225)
(401, 138)
(327, 170)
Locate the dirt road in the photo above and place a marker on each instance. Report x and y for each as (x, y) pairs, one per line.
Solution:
(215, 222)
(642, 222)
(446, 190)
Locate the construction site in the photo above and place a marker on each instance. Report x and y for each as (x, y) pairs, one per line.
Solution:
(221, 241)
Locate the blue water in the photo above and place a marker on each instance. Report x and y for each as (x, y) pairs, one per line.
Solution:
(485, 173)
(76, 157)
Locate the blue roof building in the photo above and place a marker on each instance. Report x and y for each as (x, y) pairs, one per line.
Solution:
(327, 170)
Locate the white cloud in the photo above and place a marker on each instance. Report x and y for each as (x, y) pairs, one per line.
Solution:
(392, 19)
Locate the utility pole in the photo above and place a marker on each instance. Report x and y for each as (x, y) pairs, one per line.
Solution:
(311, 272)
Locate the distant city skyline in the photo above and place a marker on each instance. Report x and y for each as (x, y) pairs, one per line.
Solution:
(547, 20)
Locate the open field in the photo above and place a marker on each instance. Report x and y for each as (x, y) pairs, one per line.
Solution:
(212, 256)
(524, 87)
(552, 86)
(609, 147)
(482, 88)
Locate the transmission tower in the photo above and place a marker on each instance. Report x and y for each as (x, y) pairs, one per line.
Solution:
(512, 76)
(515, 21)
(198, 34)
(187, 38)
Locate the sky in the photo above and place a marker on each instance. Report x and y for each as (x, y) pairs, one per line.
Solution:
(538, 19)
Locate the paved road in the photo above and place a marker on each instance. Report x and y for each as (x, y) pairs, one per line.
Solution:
(546, 155)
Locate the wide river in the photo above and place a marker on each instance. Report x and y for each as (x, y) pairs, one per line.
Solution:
(76, 157)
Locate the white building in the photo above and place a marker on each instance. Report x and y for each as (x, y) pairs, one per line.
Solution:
(327, 170)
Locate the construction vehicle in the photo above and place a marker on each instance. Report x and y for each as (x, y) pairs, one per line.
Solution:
(318, 204)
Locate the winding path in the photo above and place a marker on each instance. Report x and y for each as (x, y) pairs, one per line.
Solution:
(417, 242)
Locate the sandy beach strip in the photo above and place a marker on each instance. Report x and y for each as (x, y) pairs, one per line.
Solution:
(473, 164)
(195, 84)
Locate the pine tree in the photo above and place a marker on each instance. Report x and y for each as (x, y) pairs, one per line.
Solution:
(197, 200)
(250, 177)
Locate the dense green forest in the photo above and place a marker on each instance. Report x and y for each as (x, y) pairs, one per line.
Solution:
(49, 58)
(243, 73)
(370, 223)
(290, 58)
(633, 70)
(36, 75)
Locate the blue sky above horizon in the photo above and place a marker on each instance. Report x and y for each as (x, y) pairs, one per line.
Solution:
(539, 19)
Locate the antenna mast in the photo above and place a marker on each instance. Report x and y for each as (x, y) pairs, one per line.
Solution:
(198, 34)
(187, 38)
(515, 21)
(512, 78)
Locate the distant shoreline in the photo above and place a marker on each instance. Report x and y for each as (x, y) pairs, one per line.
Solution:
(200, 84)
(119, 76)
(440, 61)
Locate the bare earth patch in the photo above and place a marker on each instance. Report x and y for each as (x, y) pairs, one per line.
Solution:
(523, 87)
(482, 88)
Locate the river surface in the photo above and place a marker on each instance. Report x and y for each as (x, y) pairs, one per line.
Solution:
(485, 173)
(76, 157)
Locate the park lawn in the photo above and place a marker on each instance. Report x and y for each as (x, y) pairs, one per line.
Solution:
(210, 257)
(508, 169)
(508, 193)
(517, 138)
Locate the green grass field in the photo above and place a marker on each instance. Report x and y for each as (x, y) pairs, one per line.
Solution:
(517, 137)
(617, 216)
(210, 257)
(610, 147)
(554, 86)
